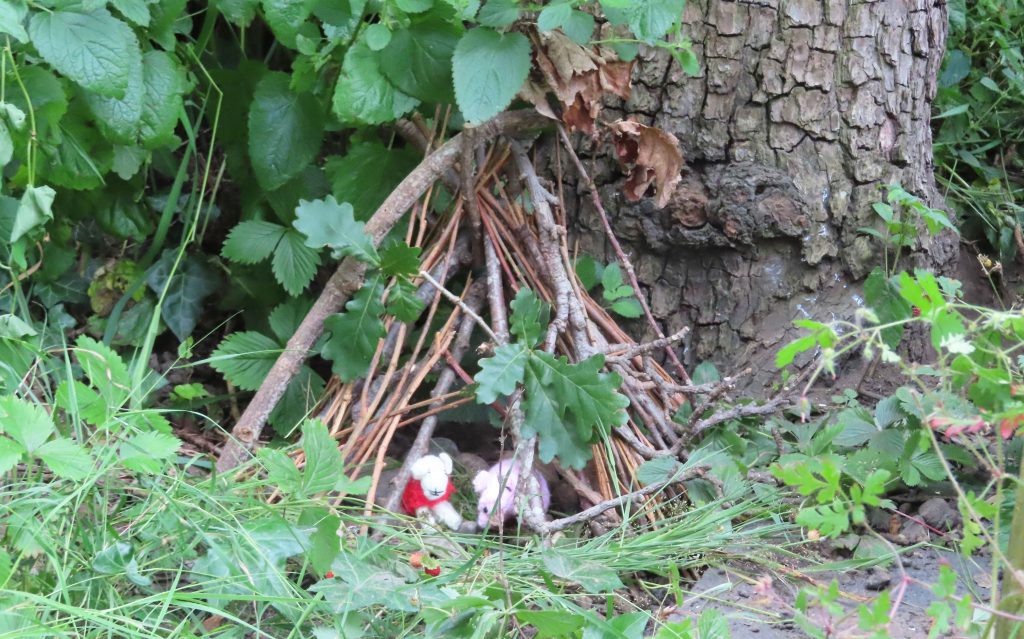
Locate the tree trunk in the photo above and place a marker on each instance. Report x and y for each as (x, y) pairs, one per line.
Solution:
(802, 110)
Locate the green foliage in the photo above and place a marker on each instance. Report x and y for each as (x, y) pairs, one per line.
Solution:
(618, 297)
(488, 69)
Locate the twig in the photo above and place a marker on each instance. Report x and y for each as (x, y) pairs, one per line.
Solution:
(633, 350)
(347, 279)
(595, 197)
(454, 299)
(555, 525)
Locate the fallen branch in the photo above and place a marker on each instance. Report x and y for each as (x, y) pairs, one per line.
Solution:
(346, 281)
(633, 350)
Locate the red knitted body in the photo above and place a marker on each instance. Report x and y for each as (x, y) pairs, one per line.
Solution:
(414, 499)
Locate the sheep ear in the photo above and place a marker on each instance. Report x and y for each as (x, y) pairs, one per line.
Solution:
(420, 467)
(446, 462)
(480, 482)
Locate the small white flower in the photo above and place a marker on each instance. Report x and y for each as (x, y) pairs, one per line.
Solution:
(957, 343)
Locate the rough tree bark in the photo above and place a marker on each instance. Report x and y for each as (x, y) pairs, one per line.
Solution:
(802, 110)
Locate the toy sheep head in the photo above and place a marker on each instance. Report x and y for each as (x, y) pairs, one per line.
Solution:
(432, 471)
(487, 485)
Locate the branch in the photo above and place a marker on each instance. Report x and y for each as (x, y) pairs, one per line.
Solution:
(455, 299)
(595, 197)
(346, 281)
(632, 350)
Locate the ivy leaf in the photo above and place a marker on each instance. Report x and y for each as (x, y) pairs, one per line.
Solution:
(363, 95)
(294, 263)
(35, 209)
(66, 458)
(245, 358)
(500, 373)
(323, 459)
(418, 60)
(328, 223)
(192, 283)
(367, 173)
(163, 82)
(105, 369)
(148, 452)
(28, 424)
(355, 333)
(93, 49)
(488, 69)
(12, 18)
(285, 131)
(400, 259)
(530, 316)
(252, 241)
(403, 304)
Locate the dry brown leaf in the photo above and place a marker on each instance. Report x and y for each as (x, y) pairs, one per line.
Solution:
(651, 156)
(535, 94)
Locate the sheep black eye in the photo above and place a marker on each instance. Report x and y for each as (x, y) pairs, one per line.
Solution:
(486, 510)
(508, 489)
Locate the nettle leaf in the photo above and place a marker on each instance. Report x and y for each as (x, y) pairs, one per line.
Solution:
(323, 459)
(93, 49)
(400, 259)
(34, 210)
(28, 424)
(488, 69)
(403, 304)
(148, 452)
(363, 95)
(294, 263)
(245, 358)
(66, 459)
(418, 60)
(251, 242)
(105, 369)
(192, 283)
(365, 175)
(498, 13)
(118, 117)
(328, 223)
(530, 317)
(500, 373)
(285, 131)
(163, 83)
(355, 333)
(12, 19)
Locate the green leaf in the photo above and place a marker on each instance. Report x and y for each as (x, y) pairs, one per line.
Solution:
(325, 542)
(530, 316)
(286, 317)
(323, 459)
(629, 308)
(579, 26)
(488, 69)
(589, 270)
(245, 358)
(367, 173)
(687, 60)
(119, 559)
(6, 145)
(251, 242)
(400, 259)
(659, 469)
(148, 452)
(168, 18)
(281, 470)
(301, 396)
(10, 454)
(498, 13)
(239, 12)
(554, 15)
(192, 283)
(378, 35)
(66, 459)
(648, 20)
(164, 83)
(285, 131)
(591, 575)
(550, 623)
(12, 19)
(286, 17)
(403, 302)
(830, 520)
(418, 60)
(294, 263)
(127, 162)
(34, 210)
(706, 373)
(590, 396)
(94, 48)
(556, 438)
(105, 369)
(414, 6)
(137, 11)
(363, 95)
(885, 300)
(328, 223)
(499, 374)
(355, 333)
